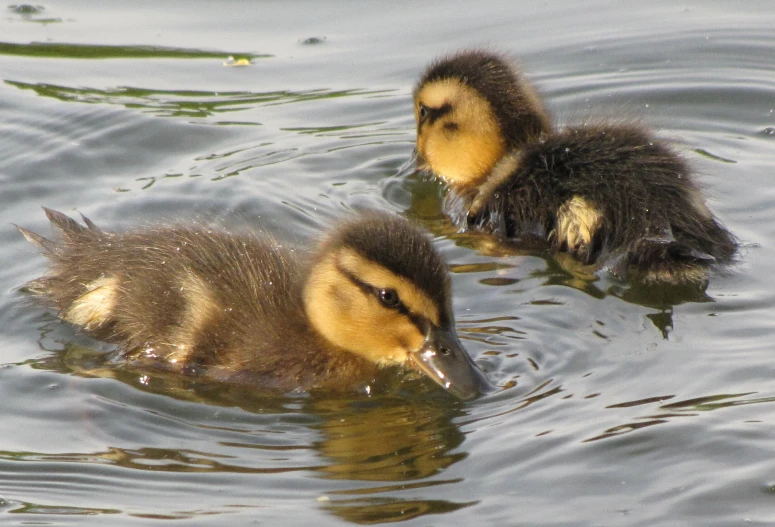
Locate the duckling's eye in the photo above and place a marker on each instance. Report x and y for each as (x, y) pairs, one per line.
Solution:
(423, 112)
(388, 298)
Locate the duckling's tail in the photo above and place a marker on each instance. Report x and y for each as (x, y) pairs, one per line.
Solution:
(68, 227)
(72, 234)
(32, 237)
(666, 262)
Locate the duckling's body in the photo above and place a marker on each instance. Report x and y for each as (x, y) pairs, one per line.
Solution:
(607, 193)
(243, 308)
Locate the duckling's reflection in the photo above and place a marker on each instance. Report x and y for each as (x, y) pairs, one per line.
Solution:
(384, 510)
(387, 440)
(404, 436)
(426, 197)
(395, 440)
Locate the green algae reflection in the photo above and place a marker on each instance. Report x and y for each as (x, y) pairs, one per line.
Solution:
(182, 103)
(82, 51)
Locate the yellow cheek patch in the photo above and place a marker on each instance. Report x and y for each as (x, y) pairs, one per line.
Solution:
(466, 154)
(200, 307)
(95, 307)
(577, 222)
(355, 320)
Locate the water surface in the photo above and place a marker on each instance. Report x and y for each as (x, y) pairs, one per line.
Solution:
(623, 405)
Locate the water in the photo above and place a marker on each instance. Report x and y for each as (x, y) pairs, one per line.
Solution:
(626, 406)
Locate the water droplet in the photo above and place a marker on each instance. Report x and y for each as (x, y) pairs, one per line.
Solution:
(769, 131)
(237, 62)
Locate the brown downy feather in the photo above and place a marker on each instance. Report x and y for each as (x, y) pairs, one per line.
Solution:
(242, 308)
(193, 299)
(644, 213)
(609, 194)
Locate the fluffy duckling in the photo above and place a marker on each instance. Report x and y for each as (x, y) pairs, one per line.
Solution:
(608, 194)
(243, 308)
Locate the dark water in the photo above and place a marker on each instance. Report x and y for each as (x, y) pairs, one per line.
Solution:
(626, 406)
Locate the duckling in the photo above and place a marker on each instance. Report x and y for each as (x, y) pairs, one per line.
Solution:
(608, 194)
(244, 309)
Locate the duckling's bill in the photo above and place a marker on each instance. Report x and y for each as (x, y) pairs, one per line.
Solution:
(443, 359)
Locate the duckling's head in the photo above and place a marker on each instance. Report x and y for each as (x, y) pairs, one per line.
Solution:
(379, 289)
(471, 108)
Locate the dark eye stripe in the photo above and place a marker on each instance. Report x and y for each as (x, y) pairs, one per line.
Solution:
(419, 321)
(437, 113)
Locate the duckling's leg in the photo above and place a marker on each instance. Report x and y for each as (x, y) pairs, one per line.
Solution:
(576, 229)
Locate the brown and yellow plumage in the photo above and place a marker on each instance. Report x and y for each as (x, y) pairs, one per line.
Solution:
(244, 308)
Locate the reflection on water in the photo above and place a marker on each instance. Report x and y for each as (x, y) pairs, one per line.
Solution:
(370, 511)
(78, 51)
(406, 437)
(680, 409)
(426, 205)
(33, 13)
(388, 440)
(605, 385)
(18, 507)
(151, 459)
(384, 440)
(190, 103)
